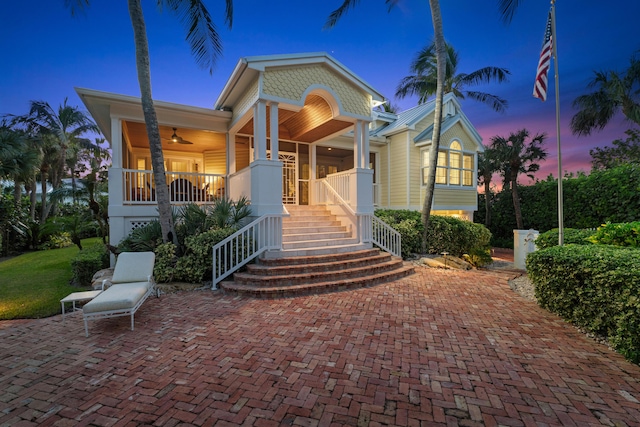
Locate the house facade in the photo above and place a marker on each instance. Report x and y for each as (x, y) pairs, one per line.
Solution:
(287, 130)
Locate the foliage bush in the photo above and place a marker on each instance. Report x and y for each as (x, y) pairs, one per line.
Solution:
(197, 262)
(87, 262)
(623, 234)
(596, 287)
(571, 236)
(163, 270)
(611, 195)
(445, 234)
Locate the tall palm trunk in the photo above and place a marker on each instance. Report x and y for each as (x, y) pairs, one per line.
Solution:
(487, 203)
(151, 121)
(516, 202)
(438, 33)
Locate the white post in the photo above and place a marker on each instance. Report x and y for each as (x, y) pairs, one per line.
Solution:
(273, 124)
(357, 145)
(312, 173)
(260, 130)
(231, 153)
(365, 145)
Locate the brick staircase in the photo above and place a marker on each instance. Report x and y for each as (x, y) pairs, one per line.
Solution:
(319, 255)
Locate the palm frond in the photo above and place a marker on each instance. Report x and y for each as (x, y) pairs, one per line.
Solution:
(508, 9)
(202, 35)
(495, 102)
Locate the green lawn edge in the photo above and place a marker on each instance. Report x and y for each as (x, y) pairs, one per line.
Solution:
(32, 284)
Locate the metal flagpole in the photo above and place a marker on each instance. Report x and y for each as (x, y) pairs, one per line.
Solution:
(554, 52)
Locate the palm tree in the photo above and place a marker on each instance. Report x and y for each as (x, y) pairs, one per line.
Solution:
(59, 133)
(205, 46)
(487, 166)
(519, 156)
(440, 48)
(423, 80)
(615, 92)
(17, 162)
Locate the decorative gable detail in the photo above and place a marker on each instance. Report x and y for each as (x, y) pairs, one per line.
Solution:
(293, 84)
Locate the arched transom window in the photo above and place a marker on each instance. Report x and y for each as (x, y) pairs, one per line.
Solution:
(455, 167)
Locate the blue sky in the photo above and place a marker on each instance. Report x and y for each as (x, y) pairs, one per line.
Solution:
(47, 53)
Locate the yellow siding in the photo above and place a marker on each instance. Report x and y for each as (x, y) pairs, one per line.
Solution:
(398, 170)
(246, 101)
(448, 197)
(291, 83)
(457, 132)
(215, 162)
(383, 175)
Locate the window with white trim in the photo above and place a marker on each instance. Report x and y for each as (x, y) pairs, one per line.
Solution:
(455, 167)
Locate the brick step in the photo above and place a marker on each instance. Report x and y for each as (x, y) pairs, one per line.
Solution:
(313, 267)
(325, 217)
(288, 260)
(283, 280)
(288, 238)
(317, 288)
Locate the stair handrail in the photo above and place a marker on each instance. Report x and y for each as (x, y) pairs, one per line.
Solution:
(384, 236)
(370, 228)
(265, 233)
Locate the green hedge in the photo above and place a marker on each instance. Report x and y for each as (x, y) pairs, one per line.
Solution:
(623, 234)
(88, 261)
(571, 236)
(445, 234)
(611, 195)
(596, 287)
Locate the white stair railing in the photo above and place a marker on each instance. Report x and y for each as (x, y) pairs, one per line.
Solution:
(261, 235)
(383, 235)
(370, 228)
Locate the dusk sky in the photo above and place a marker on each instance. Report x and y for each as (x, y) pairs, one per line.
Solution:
(47, 53)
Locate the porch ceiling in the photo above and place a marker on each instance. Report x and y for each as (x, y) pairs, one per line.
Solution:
(203, 140)
(312, 123)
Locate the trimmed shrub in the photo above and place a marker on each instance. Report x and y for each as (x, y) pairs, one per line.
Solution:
(596, 287)
(623, 234)
(87, 263)
(196, 264)
(445, 234)
(571, 236)
(163, 270)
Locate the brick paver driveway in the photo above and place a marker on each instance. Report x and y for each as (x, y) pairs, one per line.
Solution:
(436, 348)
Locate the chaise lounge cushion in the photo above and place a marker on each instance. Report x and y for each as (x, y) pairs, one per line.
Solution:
(118, 297)
(134, 267)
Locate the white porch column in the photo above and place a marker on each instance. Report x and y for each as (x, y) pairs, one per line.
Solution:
(273, 125)
(312, 174)
(116, 184)
(365, 145)
(357, 145)
(231, 153)
(260, 130)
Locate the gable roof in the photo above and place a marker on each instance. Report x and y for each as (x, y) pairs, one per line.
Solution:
(248, 68)
(452, 114)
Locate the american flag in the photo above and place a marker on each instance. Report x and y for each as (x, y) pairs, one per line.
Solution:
(540, 85)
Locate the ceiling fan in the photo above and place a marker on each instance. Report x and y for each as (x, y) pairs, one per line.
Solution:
(176, 138)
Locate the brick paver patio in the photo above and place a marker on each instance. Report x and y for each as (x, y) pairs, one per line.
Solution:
(436, 348)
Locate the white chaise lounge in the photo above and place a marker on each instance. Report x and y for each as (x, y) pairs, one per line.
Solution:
(131, 285)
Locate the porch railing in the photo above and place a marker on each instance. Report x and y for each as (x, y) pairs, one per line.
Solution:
(370, 228)
(261, 235)
(184, 187)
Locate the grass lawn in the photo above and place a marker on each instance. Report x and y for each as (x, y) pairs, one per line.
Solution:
(32, 285)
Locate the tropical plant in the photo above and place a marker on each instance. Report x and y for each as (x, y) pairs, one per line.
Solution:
(516, 155)
(487, 166)
(18, 163)
(623, 151)
(206, 46)
(422, 81)
(614, 92)
(59, 134)
(440, 49)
